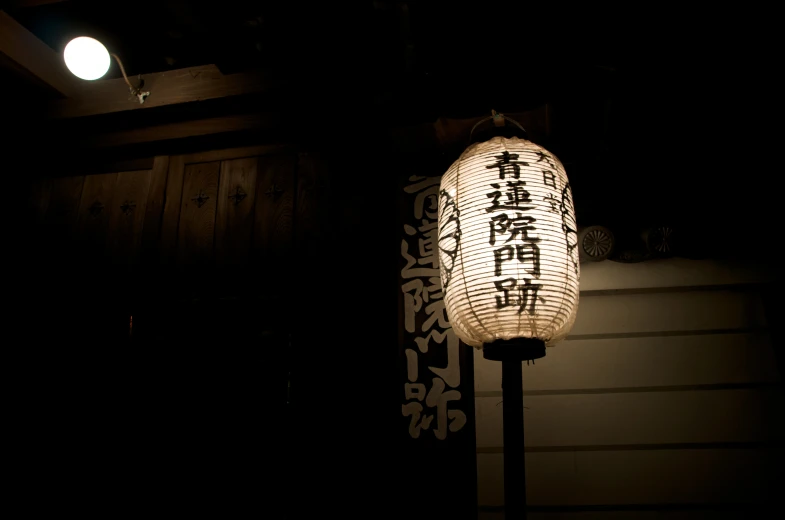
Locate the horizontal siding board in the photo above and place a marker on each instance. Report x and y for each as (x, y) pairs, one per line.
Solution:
(748, 512)
(693, 514)
(673, 272)
(658, 312)
(590, 515)
(617, 478)
(748, 415)
(642, 362)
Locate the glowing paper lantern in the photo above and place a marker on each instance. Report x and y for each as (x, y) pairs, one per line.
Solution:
(86, 58)
(508, 247)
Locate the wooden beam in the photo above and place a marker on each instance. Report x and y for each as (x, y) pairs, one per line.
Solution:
(446, 133)
(166, 88)
(215, 125)
(24, 49)
(238, 153)
(452, 131)
(31, 3)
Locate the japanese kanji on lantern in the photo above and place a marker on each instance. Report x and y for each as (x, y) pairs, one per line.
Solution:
(508, 248)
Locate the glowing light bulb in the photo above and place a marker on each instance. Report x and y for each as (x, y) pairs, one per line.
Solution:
(86, 58)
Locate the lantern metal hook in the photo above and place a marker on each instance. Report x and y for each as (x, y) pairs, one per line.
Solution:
(499, 120)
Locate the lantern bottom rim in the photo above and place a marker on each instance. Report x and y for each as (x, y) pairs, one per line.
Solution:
(515, 349)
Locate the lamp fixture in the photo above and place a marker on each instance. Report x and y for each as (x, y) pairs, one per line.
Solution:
(88, 59)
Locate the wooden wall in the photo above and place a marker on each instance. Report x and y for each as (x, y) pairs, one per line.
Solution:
(190, 227)
(664, 402)
(152, 294)
(239, 305)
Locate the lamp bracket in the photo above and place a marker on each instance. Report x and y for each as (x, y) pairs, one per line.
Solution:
(137, 90)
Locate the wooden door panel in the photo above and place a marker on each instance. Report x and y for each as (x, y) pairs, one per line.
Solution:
(196, 231)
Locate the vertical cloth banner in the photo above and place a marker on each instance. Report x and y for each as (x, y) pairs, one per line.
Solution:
(436, 369)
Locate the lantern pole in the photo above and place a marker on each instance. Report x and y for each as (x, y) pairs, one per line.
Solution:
(512, 353)
(514, 453)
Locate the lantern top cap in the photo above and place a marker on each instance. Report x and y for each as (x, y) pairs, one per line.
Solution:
(497, 143)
